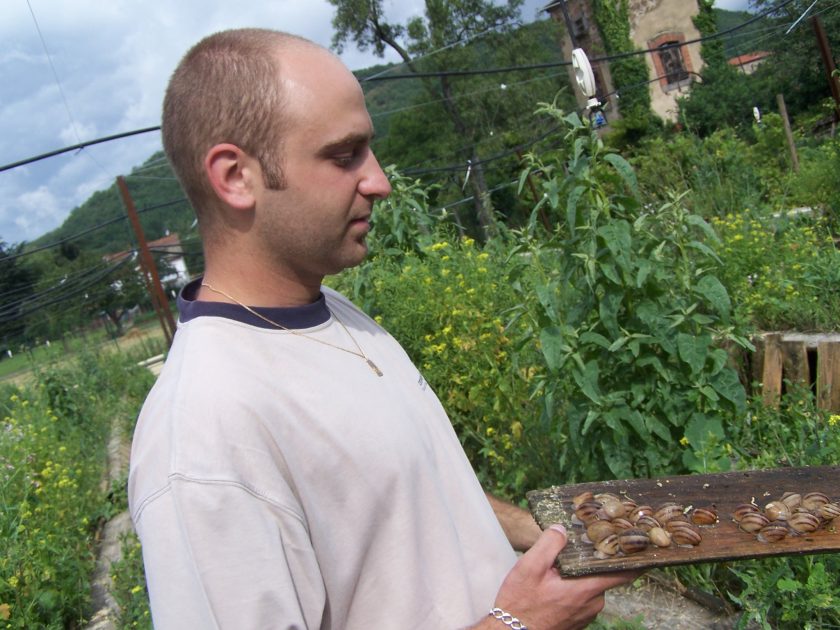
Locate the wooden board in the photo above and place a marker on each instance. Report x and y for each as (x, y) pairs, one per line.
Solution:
(720, 543)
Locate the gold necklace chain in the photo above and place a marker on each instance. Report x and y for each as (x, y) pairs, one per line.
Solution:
(361, 353)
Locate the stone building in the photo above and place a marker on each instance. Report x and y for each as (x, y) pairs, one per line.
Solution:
(659, 26)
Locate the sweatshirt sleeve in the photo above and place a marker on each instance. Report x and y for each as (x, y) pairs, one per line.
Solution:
(219, 556)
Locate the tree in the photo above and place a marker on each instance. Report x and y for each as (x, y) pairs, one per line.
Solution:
(444, 30)
(16, 285)
(796, 68)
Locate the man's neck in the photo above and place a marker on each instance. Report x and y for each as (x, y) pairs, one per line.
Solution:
(257, 289)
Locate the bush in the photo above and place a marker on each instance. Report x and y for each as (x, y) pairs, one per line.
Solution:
(52, 463)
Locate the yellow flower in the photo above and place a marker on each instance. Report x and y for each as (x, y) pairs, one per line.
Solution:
(136, 589)
(684, 441)
(833, 420)
(13, 581)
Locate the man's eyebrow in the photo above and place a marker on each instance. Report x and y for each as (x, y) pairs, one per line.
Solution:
(350, 139)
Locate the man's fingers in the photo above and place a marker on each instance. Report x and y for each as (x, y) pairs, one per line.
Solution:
(541, 556)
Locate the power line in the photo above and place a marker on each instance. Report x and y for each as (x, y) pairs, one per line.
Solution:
(450, 73)
(94, 228)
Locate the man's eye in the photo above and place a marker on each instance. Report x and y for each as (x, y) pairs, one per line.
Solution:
(344, 160)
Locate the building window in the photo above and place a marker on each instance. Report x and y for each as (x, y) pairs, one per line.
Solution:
(671, 61)
(672, 65)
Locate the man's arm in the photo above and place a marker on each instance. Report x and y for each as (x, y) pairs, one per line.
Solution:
(520, 528)
(534, 592)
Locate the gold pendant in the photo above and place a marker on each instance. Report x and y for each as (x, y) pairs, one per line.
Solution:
(374, 367)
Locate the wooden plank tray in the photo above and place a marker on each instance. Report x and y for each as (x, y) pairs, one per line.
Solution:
(722, 542)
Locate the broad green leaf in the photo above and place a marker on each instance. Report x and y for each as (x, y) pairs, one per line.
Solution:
(644, 270)
(624, 169)
(553, 347)
(728, 385)
(713, 290)
(609, 271)
(705, 249)
(587, 381)
(608, 310)
(701, 430)
(700, 222)
(591, 417)
(571, 206)
(656, 427)
(693, 350)
(596, 338)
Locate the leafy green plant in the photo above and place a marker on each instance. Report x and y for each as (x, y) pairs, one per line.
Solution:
(129, 586)
(630, 319)
(52, 459)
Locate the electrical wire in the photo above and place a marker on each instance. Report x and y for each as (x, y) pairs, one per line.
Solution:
(449, 73)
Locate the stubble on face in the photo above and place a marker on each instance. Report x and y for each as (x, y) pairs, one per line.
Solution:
(317, 225)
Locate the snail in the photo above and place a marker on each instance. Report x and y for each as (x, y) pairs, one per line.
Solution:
(704, 516)
(753, 521)
(773, 532)
(633, 540)
(659, 537)
(803, 523)
(607, 547)
(813, 500)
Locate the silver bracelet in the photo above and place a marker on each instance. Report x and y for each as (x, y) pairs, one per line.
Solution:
(508, 619)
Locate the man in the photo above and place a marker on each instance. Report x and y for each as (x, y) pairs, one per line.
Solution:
(291, 468)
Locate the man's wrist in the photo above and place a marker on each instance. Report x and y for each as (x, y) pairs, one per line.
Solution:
(507, 619)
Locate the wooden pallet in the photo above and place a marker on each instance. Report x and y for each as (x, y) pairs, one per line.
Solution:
(809, 361)
(722, 542)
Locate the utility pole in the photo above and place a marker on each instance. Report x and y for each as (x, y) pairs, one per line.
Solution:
(828, 62)
(568, 20)
(159, 300)
(794, 158)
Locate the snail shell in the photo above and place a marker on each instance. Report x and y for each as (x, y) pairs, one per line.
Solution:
(622, 523)
(803, 523)
(639, 511)
(777, 511)
(791, 499)
(614, 509)
(599, 530)
(629, 505)
(633, 540)
(829, 511)
(704, 516)
(668, 512)
(772, 532)
(686, 536)
(813, 500)
(753, 521)
(587, 512)
(603, 497)
(583, 497)
(646, 522)
(742, 510)
(659, 537)
(607, 547)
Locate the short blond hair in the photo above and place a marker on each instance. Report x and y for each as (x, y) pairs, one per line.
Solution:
(226, 89)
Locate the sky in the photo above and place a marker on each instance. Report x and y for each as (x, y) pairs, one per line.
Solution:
(83, 69)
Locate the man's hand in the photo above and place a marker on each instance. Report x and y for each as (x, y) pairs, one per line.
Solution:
(535, 593)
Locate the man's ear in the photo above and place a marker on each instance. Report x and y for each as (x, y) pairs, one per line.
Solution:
(232, 174)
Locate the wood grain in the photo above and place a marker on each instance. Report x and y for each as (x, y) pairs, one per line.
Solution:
(722, 542)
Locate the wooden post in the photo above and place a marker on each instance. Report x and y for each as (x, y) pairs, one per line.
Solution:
(794, 158)
(828, 62)
(795, 363)
(159, 299)
(828, 376)
(771, 370)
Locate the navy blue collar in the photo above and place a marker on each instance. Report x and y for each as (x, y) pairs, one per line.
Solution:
(296, 317)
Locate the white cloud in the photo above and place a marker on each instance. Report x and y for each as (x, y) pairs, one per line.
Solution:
(35, 208)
